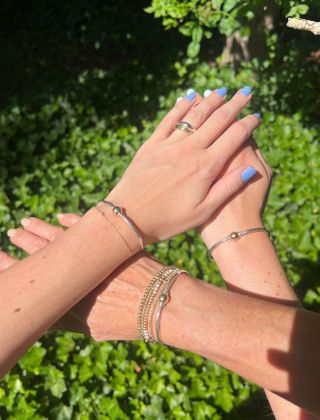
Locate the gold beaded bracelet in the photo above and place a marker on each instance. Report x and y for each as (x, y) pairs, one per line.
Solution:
(155, 294)
(150, 294)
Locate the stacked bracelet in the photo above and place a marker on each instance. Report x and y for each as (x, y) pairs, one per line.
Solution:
(155, 294)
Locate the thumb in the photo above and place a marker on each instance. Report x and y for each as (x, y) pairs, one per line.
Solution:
(229, 184)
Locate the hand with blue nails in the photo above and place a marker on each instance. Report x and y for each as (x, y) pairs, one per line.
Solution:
(174, 183)
(245, 209)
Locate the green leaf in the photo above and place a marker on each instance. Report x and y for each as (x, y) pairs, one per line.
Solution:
(193, 49)
(197, 35)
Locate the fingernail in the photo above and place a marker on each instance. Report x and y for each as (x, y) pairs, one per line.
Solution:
(257, 115)
(248, 173)
(25, 222)
(190, 96)
(11, 233)
(222, 91)
(207, 92)
(246, 90)
(179, 99)
(189, 91)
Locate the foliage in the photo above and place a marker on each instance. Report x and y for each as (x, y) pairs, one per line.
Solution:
(66, 139)
(197, 19)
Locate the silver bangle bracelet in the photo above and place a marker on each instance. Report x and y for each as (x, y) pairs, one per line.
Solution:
(235, 235)
(163, 300)
(119, 212)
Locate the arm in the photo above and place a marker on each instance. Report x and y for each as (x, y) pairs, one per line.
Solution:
(37, 291)
(274, 346)
(262, 341)
(250, 265)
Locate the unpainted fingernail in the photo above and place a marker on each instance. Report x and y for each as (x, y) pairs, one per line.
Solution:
(25, 222)
(11, 233)
(179, 99)
(248, 174)
(190, 96)
(207, 92)
(246, 90)
(222, 91)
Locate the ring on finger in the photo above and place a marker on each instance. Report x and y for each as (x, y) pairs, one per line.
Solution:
(185, 126)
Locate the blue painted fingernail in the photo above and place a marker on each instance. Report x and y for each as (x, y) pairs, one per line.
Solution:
(207, 92)
(258, 115)
(246, 90)
(190, 97)
(248, 173)
(222, 91)
(189, 91)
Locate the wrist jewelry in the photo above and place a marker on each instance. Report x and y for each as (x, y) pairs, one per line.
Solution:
(156, 293)
(118, 211)
(235, 235)
(163, 300)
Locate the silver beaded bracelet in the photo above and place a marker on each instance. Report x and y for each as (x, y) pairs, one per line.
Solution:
(235, 235)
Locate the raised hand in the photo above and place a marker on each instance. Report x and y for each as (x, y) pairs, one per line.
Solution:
(175, 181)
(243, 210)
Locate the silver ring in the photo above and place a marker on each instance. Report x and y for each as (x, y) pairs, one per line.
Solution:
(185, 126)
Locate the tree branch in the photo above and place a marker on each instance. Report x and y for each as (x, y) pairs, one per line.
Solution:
(304, 25)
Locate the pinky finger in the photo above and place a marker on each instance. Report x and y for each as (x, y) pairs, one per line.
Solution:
(229, 185)
(6, 261)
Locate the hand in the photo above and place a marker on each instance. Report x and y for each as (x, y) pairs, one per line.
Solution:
(243, 210)
(174, 182)
(109, 312)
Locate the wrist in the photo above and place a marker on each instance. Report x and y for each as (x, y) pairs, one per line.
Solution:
(123, 226)
(212, 233)
(181, 313)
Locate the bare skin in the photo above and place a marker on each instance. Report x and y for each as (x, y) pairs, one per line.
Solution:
(245, 333)
(186, 189)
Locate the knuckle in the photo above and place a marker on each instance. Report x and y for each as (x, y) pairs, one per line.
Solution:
(196, 114)
(54, 234)
(229, 188)
(39, 243)
(224, 114)
(206, 169)
(242, 129)
(169, 121)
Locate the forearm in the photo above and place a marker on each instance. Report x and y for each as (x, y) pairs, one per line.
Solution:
(251, 266)
(261, 341)
(37, 291)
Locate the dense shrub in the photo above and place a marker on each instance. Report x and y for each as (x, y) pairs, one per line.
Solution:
(61, 148)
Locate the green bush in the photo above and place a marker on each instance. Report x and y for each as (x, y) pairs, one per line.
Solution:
(66, 138)
(65, 157)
